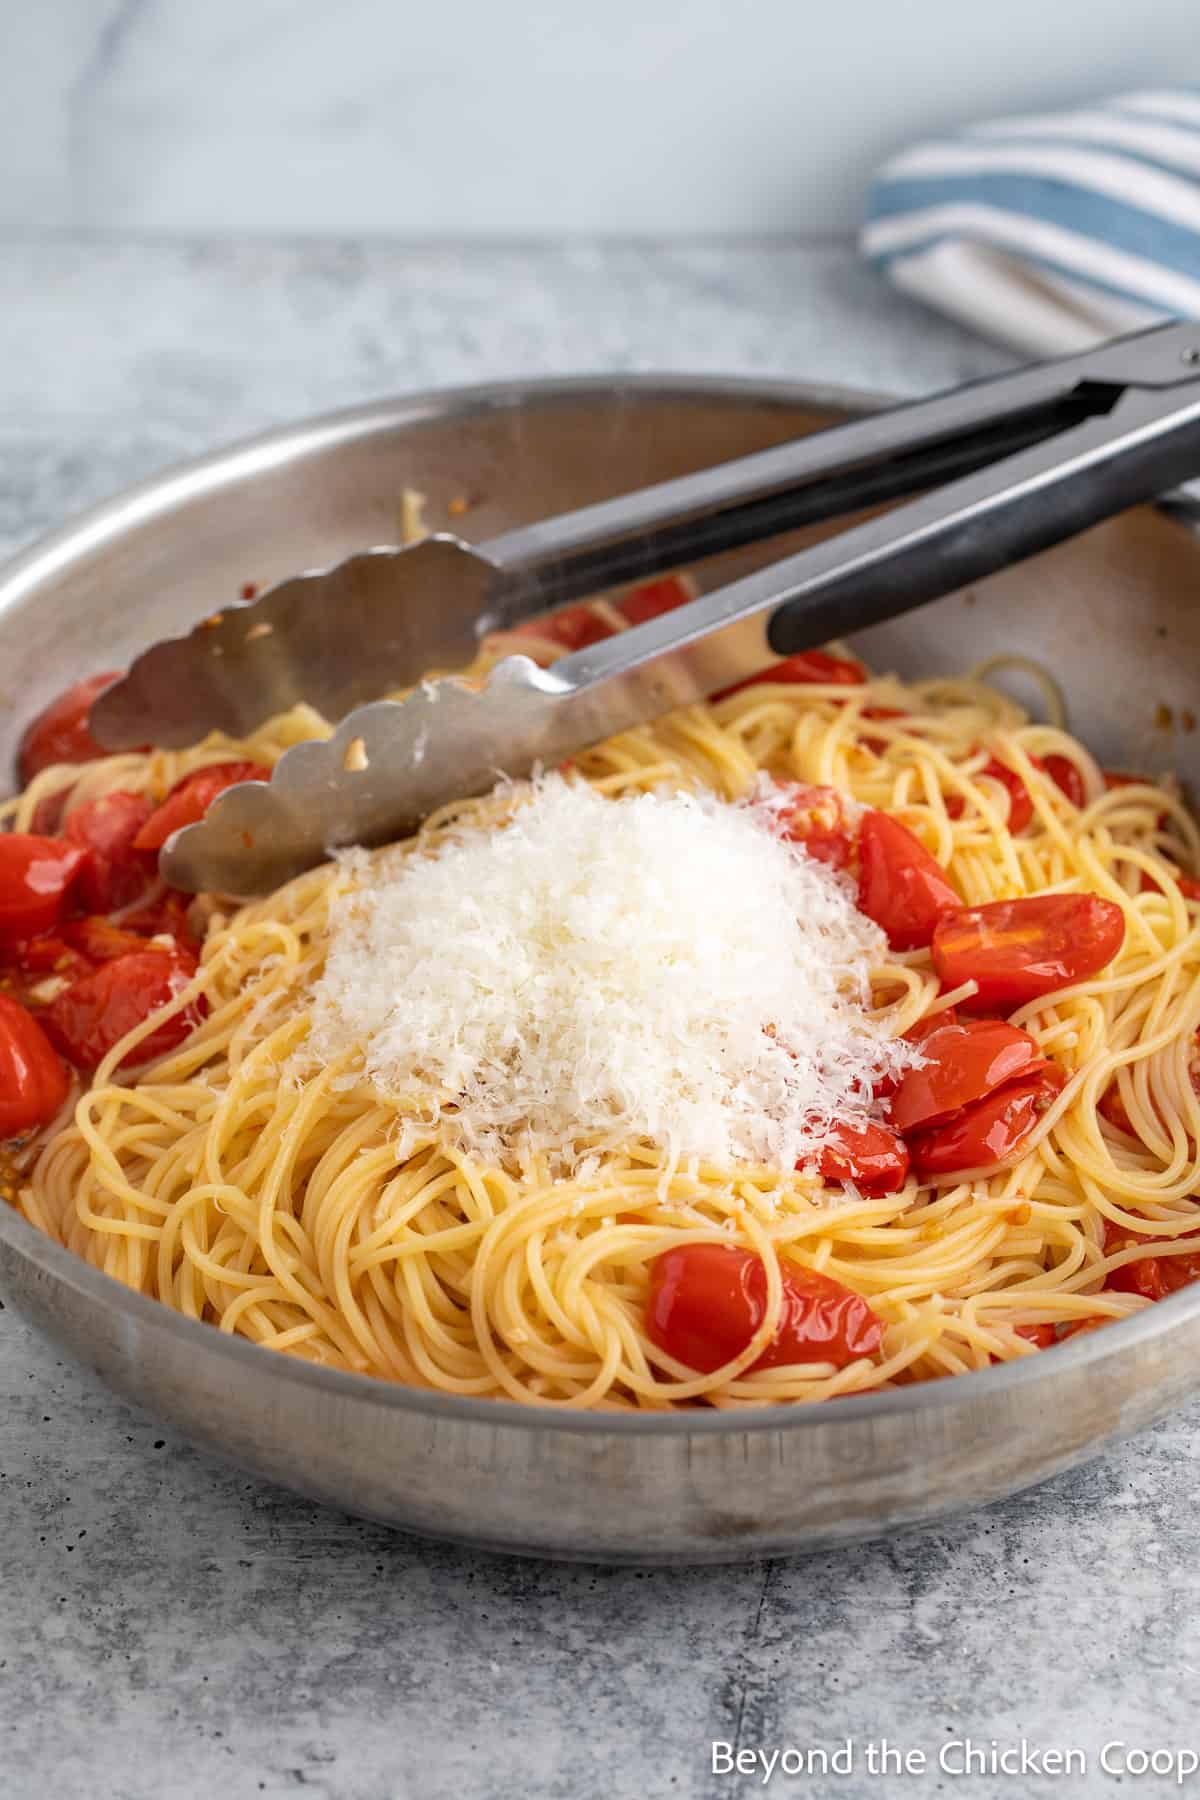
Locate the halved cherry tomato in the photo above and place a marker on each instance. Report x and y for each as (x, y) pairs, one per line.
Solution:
(33, 1082)
(815, 668)
(94, 1013)
(116, 872)
(60, 734)
(37, 875)
(872, 1156)
(707, 1300)
(651, 599)
(100, 940)
(1066, 777)
(48, 813)
(900, 885)
(1020, 806)
(1153, 1276)
(816, 818)
(886, 1086)
(1061, 770)
(574, 628)
(47, 954)
(1018, 950)
(1041, 1335)
(1188, 886)
(190, 799)
(963, 1063)
(993, 1130)
(877, 744)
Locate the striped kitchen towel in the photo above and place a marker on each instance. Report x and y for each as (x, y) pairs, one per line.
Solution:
(1050, 232)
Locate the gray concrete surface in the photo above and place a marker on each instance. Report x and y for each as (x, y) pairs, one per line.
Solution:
(171, 1628)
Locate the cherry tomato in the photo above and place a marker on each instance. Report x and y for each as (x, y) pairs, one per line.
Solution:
(916, 1034)
(1018, 950)
(810, 668)
(60, 733)
(706, 1301)
(48, 813)
(816, 818)
(900, 885)
(94, 1013)
(873, 1157)
(574, 628)
(877, 744)
(190, 799)
(37, 875)
(1111, 1106)
(963, 1063)
(33, 1081)
(1020, 806)
(101, 941)
(993, 1130)
(1153, 1276)
(1041, 1335)
(116, 872)
(47, 954)
(651, 599)
(924, 1028)
(1067, 778)
(1188, 886)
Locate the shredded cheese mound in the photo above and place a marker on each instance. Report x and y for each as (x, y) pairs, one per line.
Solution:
(661, 968)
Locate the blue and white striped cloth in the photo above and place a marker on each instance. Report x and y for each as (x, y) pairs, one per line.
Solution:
(1050, 232)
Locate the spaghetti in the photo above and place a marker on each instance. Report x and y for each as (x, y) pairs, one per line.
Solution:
(296, 1204)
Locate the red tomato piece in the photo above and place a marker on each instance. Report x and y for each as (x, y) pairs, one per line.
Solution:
(116, 872)
(1188, 886)
(33, 1081)
(810, 668)
(100, 941)
(1020, 806)
(1066, 777)
(1153, 1276)
(916, 1034)
(924, 1028)
(1041, 1335)
(94, 1013)
(60, 733)
(190, 799)
(877, 744)
(47, 954)
(707, 1300)
(900, 885)
(816, 818)
(48, 813)
(963, 1063)
(574, 628)
(651, 599)
(872, 1156)
(37, 875)
(1018, 950)
(993, 1130)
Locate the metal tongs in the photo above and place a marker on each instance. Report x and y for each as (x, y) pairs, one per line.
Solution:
(1002, 469)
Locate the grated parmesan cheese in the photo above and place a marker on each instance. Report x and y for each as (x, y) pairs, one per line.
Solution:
(658, 968)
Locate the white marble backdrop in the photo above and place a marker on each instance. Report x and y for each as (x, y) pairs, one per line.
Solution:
(662, 117)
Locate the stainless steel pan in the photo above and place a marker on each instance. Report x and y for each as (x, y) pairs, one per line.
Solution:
(1113, 615)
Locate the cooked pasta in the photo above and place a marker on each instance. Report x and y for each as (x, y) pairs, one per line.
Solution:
(293, 1202)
